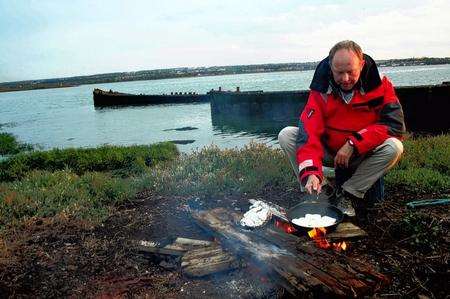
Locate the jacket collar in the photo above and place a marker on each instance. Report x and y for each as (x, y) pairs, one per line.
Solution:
(323, 81)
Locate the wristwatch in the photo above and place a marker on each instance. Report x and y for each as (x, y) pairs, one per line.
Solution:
(352, 144)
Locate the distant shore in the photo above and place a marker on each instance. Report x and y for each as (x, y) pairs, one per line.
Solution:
(194, 72)
(35, 86)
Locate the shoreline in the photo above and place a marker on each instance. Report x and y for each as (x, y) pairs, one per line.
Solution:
(39, 87)
(113, 78)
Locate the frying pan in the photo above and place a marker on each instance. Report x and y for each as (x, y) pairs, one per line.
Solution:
(314, 207)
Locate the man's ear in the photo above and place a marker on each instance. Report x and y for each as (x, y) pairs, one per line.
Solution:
(362, 63)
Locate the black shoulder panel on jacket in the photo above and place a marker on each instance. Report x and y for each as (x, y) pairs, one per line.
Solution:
(302, 137)
(369, 79)
(392, 116)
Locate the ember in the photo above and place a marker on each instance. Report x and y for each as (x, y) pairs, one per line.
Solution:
(287, 227)
(318, 235)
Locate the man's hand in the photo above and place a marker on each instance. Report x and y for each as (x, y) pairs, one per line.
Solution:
(313, 184)
(343, 156)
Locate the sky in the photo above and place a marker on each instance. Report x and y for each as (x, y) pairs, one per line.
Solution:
(61, 38)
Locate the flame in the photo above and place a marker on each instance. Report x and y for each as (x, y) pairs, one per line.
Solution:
(340, 246)
(287, 227)
(318, 235)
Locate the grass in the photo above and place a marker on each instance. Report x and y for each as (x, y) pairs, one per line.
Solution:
(10, 146)
(45, 194)
(215, 172)
(119, 159)
(424, 167)
(89, 183)
(83, 183)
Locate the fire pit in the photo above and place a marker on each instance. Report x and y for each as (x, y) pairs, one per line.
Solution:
(296, 262)
(313, 263)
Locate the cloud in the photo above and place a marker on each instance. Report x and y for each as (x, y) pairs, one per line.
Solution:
(46, 39)
(411, 31)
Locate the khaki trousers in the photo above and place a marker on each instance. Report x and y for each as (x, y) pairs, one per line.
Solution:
(368, 168)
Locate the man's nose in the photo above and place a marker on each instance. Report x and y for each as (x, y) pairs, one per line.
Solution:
(345, 77)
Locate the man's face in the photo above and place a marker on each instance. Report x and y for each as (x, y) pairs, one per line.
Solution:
(346, 68)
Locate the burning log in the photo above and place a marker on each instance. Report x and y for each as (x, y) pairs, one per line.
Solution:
(299, 266)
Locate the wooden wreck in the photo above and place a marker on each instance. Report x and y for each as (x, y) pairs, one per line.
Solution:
(113, 98)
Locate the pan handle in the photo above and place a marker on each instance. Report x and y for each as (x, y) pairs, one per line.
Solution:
(312, 198)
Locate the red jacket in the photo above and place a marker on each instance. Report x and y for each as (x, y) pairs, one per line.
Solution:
(368, 120)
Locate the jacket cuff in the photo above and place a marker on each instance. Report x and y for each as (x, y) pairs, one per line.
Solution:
(304, 176)
(356, 144)
(361, 139)
(307, 168)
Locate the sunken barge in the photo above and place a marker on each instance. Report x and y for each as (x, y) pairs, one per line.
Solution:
(113, 98)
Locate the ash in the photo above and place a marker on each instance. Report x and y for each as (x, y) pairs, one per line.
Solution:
(244, 284)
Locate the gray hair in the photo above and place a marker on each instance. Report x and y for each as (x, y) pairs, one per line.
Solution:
(348, 45)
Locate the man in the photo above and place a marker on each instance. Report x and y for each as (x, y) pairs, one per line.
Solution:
(353, 117)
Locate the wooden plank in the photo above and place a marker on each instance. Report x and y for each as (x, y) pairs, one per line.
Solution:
(192, 242)
(179, 247)
(322, 257)
(302, 271)
(155, 248)
(208, 260)
(346, 230)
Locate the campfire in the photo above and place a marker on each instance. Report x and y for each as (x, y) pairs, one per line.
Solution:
(317, 234)
(279, 251)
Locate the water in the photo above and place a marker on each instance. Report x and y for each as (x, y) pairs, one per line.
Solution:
(66, 117)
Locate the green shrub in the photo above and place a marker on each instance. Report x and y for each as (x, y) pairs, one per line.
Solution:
(427, 152)
(419, 180)
(212, 171)
(10, 146)
(46, 194)
(424, 167)
(124, 160)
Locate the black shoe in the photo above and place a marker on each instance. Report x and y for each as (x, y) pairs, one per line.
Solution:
(345, 204)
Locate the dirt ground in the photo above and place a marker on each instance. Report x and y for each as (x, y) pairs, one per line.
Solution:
(60, 257)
